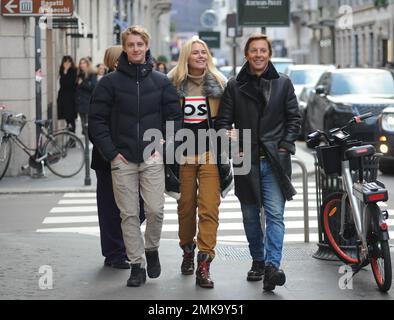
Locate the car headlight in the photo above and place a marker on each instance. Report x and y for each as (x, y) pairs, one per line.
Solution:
(388, 122)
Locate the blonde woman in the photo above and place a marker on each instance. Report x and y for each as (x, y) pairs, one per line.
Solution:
(86, 82)
(200, 86)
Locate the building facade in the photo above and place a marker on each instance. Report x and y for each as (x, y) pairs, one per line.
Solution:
(364, 33)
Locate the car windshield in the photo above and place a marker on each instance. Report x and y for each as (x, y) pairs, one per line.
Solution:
(373, 83)
(302, 77)
(282, 66)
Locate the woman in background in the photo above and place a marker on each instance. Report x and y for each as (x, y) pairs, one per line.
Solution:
(66, 96)
(86, 81)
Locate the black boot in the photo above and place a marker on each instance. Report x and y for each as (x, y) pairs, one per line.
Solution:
(203, 278)
(257, 271)
(273, 277)
(153, 264)
(187, 266)
(137, 276)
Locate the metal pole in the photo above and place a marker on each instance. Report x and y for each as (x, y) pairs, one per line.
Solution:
(234, 56)
(88, 180)
(37, 39)
(305, 196)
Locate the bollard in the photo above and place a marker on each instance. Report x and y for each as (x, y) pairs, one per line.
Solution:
(305, 196)
(88, 180)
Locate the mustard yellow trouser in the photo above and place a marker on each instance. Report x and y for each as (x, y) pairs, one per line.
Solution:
(200, 191)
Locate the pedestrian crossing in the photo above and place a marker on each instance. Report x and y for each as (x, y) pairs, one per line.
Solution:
(77, 213)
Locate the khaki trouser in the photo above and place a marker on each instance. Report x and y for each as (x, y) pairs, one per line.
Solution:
(200, 189)
(127, 180)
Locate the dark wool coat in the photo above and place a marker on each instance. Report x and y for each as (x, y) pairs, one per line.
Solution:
(84, 92)
(66, 96)
(128, 102)
(271, 113)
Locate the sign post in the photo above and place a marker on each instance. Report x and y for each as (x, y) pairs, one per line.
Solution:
(36, 8)
(264, 13)
(233, 31)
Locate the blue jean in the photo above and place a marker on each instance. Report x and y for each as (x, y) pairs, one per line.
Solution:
(268, 248)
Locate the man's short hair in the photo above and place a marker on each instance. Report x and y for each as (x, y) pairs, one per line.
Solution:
(138, 31)
(255, 37)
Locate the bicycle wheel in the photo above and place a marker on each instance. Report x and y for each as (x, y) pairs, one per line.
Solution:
(65, 154)
(331, 222)
(5, 155)
(379, 251)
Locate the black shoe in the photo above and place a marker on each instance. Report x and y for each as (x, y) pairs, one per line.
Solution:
(273, 277)
(137, 276)
(153, 264)
(257, 271)
(120, 264)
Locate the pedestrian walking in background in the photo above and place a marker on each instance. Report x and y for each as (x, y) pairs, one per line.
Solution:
(263, 101)
(200, 86)
(86, 82)
(161, 67)
(66, 95)
(111, 237)
(125, 104)
(101, 71)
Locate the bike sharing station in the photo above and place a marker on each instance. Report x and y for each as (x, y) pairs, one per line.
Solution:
(49, 15)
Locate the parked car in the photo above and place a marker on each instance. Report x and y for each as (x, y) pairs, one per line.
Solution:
(303, 75)
(343, 93)
(281, 64)
(386, 140)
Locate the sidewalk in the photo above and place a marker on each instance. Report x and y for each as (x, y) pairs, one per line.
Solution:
(78, 273)
(54, 184)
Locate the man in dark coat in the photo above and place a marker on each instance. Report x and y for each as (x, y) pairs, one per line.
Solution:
(124, 106)
(262, 101)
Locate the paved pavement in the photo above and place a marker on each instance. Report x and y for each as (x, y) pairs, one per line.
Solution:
(75, 263)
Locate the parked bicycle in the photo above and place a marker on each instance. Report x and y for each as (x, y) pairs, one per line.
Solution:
(62, 151)
(354, 212)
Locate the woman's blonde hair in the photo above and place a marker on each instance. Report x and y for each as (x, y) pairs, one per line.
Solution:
(181, 70)
(90, 67)
(111, 56)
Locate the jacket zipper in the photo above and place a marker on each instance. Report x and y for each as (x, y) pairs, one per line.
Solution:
(138, 113)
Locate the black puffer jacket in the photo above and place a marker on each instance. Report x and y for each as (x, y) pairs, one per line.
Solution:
(271, 113)
(127, 103)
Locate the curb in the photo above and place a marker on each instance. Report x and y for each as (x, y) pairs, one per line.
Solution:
(48, 190)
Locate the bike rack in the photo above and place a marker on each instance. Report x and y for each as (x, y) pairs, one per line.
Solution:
(295, 160)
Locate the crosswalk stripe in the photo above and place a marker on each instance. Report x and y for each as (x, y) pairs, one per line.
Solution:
(80, 195)
(76, 209)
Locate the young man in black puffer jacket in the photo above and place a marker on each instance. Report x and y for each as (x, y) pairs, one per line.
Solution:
(125, 105)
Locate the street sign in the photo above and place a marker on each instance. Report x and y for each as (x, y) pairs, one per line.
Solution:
(233, 30)
(209, 19)
(264, 13)
(36, 8)
(211, 38)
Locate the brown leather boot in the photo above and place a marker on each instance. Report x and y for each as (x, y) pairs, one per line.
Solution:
(203, 278)
(187, 267)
